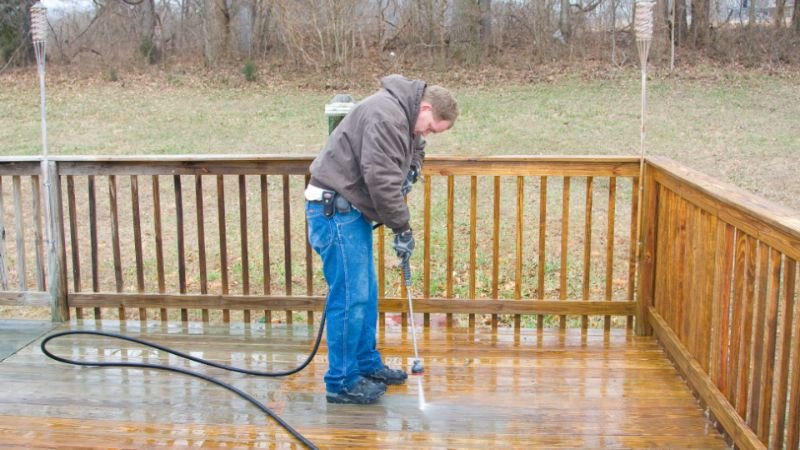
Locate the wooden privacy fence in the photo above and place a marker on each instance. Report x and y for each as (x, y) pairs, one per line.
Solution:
(719, 282)
(528, 241)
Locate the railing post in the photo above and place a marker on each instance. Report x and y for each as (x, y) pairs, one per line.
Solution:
(647, 251)
(56, 281)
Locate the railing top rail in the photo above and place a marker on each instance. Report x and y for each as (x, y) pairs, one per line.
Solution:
(12, 159)
(777, 225)
(588, 159)
(219, 164)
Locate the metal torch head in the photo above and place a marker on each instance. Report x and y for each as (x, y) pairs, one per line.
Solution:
(38, 22)
(643, 21)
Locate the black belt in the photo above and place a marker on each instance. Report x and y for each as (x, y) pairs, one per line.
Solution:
(331, 201)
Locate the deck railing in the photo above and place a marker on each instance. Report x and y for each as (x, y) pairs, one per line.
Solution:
(502, 241)
(719, 283)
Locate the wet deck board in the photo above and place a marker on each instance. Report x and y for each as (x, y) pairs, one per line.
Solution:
(551, 389)
(16, 334)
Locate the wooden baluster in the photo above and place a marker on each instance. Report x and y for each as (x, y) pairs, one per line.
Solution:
(137, 242)
(38, 234)
(612, 202)
(159, 243)
(518, 262)
(633, 249)
(243, 234)
(690, 277)
(739, 284)
(496, 248)
(73, 238)
(309, 264)
(93, 241)
(287, 242)
(473, 232)
(782, 372)
(587, 247)
(759, 355)
(762, 398)
(265, 256)
(540, 288)
(426, 270)
(793, 425)
(721, 296)
(564, 270)
(201, 241)
(450, 244)
(20, 234)
(3, 251)
(223, 243)
(382, 273)
(743, 385)
(176, 180)
(115, 249)
(704, 298)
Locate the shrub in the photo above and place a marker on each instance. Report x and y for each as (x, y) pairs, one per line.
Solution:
(249, 71)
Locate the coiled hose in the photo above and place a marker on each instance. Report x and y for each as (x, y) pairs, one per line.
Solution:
(213, 380)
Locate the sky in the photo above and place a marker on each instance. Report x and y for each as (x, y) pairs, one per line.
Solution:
(56, 6)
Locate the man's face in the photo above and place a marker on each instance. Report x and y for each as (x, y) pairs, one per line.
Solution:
(427, 124)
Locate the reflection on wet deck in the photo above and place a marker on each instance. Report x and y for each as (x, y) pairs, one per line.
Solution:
(548, 389)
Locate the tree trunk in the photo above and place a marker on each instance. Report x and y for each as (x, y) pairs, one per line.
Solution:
(245, 27)
(613, 32)
(681, 23)
(660, 45)
(796, 17)
(563, 20)
(780, 9)
(217, 32)
(485, 23)
(150, 40)
(699, 30)
(15, 26)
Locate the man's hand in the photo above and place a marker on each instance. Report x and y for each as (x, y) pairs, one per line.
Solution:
(404, 245)
(411, 178)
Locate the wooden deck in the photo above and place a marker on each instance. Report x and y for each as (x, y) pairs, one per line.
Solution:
(547, 389)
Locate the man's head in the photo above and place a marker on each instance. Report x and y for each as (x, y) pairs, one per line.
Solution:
(438, 111)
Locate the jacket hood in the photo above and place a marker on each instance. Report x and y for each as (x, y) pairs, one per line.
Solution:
(408, 93)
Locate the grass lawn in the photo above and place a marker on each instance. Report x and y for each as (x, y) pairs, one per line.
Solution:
(740, 127)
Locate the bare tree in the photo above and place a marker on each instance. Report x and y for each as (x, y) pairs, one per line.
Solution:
(780, 11)
(701, 24)
(150, 38)
(563, 20)
(796, 17)
(217, 31)
(471, 29)
(15, 42)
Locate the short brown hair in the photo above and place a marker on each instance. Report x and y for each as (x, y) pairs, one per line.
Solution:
(445, 106)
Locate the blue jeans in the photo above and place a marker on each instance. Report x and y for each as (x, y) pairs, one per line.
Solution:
(344, 242)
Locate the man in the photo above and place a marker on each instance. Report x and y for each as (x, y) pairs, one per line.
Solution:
(360, 177)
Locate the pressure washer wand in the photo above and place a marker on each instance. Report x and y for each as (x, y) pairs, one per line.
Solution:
(416, 368)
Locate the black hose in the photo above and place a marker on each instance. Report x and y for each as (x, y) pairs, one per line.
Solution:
(227, 386)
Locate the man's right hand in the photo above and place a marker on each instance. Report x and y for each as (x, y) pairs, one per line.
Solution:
(404, 245)
(411, 178)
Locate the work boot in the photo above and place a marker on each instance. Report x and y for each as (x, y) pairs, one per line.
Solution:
(364, 391)
(388, 376)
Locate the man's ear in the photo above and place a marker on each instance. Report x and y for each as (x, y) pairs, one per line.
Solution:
(425, 106)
